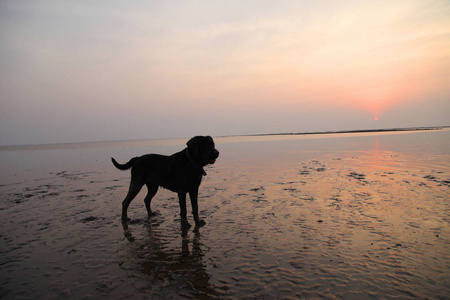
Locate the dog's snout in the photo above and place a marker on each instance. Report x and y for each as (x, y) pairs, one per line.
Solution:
(216, 154)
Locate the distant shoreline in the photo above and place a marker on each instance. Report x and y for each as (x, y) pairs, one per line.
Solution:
(120, 142)
(348, 131)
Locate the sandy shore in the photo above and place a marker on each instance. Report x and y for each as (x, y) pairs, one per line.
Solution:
(342, 217)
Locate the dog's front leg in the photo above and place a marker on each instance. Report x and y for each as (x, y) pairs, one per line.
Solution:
(194, 202)
(183, 213)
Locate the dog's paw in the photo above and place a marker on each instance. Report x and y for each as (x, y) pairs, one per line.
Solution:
(200, 223)
(153, 214)
(185, 224)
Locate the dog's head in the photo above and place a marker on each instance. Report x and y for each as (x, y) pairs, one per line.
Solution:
(202, 149)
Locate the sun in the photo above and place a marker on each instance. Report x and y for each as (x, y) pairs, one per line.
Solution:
(376, 118)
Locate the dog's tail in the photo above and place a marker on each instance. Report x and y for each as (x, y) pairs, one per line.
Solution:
(126, 166)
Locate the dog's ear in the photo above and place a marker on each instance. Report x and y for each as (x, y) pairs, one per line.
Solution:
(193, 144)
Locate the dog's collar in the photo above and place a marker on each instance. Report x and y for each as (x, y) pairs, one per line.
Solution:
(193, 162)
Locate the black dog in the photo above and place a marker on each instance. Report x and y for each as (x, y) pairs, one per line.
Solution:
(181, 173)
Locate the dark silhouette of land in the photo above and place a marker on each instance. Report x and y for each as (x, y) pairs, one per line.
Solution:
(352, 131)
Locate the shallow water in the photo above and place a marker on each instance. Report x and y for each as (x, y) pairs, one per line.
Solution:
(356, 217)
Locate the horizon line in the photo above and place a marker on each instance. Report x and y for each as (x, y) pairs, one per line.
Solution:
(422, 128)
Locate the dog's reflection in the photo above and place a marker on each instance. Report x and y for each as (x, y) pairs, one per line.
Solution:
(156, 256)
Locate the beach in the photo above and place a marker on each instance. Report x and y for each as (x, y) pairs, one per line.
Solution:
(336, 216)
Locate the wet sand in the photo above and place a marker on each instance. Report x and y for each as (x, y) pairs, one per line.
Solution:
(336, 217)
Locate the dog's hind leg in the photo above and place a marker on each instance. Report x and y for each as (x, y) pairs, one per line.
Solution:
(135, 187)
(152, 189)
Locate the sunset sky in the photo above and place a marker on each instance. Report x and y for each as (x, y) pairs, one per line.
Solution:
(116, 70)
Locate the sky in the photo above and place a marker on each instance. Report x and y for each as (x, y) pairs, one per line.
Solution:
(79, 70)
